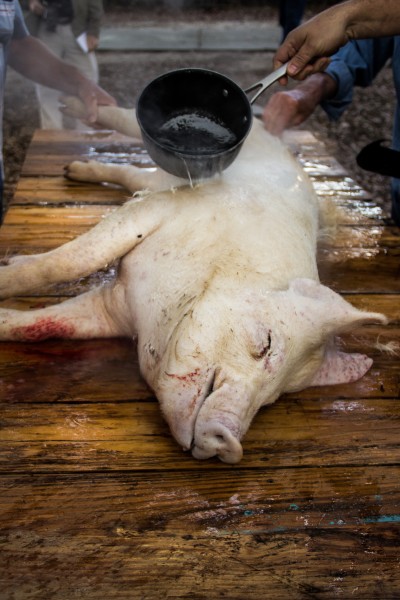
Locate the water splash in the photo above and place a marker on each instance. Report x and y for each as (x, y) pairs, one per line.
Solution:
(188, 173)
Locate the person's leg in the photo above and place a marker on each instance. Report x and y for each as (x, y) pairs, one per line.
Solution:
(86, 63)
(290, 14)
(49, 113)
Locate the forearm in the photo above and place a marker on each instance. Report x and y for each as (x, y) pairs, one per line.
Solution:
(370, 18)
(34, 60)
(307, 46)
(31, 58)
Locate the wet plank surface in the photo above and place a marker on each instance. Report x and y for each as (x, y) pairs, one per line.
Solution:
(97, 500)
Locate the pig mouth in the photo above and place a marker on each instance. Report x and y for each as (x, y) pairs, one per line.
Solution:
(216, 429)
(203, 420)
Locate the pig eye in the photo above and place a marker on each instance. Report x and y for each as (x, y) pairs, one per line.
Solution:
(263, 349)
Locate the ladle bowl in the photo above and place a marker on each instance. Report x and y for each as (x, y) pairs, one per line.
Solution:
(194, 121)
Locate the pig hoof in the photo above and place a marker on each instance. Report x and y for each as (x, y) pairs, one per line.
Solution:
(217, 440)
(80, 171)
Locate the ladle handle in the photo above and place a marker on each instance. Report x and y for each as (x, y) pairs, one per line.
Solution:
(267, 81)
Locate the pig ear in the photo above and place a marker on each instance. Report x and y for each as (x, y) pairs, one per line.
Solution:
(339, 367)
(329, 310)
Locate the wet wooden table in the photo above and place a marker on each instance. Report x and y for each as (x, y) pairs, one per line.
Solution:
(98, 501)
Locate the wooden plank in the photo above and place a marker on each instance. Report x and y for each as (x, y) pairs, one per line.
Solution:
(359, 265)
(112, 365)
(339, 188)
(60, 216)
(108, 370)
(101, 370)
(55, 371)
(52, 137)
(133, 436)
(55, 191)
(386, 304)
(51, 151)
(326, 532)
(38, 229)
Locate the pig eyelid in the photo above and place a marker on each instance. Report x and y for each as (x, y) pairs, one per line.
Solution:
(265, 350)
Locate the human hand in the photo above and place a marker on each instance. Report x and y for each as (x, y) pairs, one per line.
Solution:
(284, 110)
(308, 47)
(36, 7)
(92, 42)
(290, 108)
(92, 96)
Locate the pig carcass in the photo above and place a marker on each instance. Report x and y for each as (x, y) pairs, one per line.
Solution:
(217, 282)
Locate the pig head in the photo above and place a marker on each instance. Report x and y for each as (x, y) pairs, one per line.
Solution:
(217, 283)
(229, 356)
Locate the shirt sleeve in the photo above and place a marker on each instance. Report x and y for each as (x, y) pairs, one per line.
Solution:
(356, 64)
(20, 29)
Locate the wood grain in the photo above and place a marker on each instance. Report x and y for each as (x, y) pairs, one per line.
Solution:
(98, 501)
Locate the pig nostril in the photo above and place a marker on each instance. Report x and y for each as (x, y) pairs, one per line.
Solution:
(216, 439)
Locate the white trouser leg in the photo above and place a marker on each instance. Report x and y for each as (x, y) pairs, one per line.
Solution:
(64, 45)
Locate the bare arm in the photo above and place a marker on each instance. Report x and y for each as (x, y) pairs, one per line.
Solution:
(30, 57)
(307, 47)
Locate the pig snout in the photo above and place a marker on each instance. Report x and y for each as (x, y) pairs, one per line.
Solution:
(220, 425)
(217, 437)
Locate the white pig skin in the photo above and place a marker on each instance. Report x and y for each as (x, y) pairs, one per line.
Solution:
(217, 283)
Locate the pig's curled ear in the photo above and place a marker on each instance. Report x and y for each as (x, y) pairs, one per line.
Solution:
(325, 311)
(340, 367)
(329, 310)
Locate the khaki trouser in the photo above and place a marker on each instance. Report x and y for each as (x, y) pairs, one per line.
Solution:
(62, 42)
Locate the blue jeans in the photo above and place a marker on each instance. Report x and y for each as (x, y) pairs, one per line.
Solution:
(290, 14)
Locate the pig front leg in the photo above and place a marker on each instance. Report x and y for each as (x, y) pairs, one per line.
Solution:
(128, 176)
(110, 239)
(91, 315)
(108, 117)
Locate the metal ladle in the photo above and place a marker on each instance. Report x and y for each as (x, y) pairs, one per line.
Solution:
(194, 121)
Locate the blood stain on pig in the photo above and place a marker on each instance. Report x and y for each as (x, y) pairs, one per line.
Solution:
(43, 329)
(187, 378)
(190, 378)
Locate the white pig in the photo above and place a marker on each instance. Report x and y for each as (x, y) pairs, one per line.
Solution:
(217, 283)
